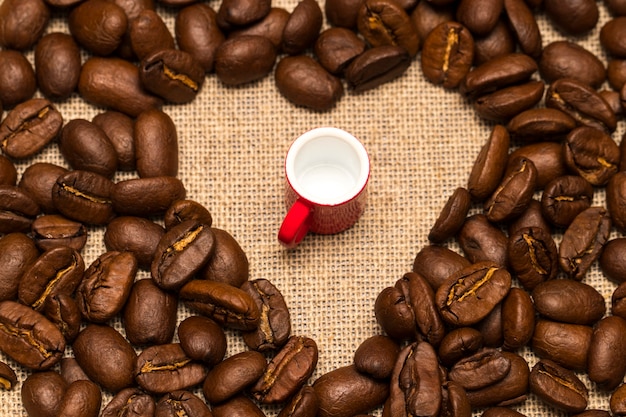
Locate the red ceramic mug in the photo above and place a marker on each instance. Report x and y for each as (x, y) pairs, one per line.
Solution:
(326, 170)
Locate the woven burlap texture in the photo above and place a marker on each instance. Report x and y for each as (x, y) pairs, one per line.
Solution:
(422, 141)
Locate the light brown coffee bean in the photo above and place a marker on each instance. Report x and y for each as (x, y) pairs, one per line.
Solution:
(447, 54)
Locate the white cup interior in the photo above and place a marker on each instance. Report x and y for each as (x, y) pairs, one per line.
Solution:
(327, 166)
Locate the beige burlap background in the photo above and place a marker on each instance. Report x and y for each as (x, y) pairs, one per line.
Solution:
(422, 141)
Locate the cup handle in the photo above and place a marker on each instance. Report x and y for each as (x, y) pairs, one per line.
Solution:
(295, 225)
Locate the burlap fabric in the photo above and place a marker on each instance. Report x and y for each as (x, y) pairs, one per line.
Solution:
(422, 140)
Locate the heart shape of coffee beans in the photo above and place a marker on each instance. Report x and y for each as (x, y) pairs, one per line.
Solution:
(423, 140)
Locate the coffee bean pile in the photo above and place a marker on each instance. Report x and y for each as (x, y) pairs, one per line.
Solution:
(453, 327)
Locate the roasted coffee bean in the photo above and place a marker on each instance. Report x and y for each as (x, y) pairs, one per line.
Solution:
(573, 17)
(137, 235)
(502, 105)
(394, 314)
(197, 33)
(172, 74)
(115, 83)
(564, 198)
(616, 73)
(106, 286)
(270, 27)
(454, 401)
(106, 357)
(57, 65)
(452, 216)
(426, 16)
(164, 368)
(497, 73)
(84, 196)
(384, 22)
(181, 252)
(518, 319)
(86, 147)
(22, 23)
(148, 34)
(436, 263)
(275, 325)
(581, 102)
(489, 166)
(98, 25)
(302, 27)
(612, 261)
(42, 393)
(509, 390)
(287, 371)
(229, 377)
(236, 13)
(470, 294)
(56, 271)
(376, 356)
(514, 193)
(243, 59)
(479, 17)
(531, 217)
(182, 210)
(499, 42)
(342, 13)
(617, 401)
(17, 209)
(17, 78)
(120, 129)
(533, 256)
(540, 124)
(304, 82)
(62, 310)
(615, 195)
(130, 401)
(156, 144)
(81, 399)
(181, 402)
(606, 364)
(558, 386)
(564, 343)
(618, 301)
(612, 99)
(344, 392)
(569, 301)
(8, 172)
(491, 328)
(146, 196)
(303, 404)
(149, 314)
(524, 27)
(459, 343)
(415, 387)
(29, 338)
(565, 59)
(224, 303)
(583, 240)
(38, 180)
(481, 369)
(481, 240)
(336, 47)
(239, 405)
(447, 54)
(52, 230)
(17, 254)
(29, 127)
(202, 339)
(8, 378)
(592, 154)
(546, 156)
(612, 37)
(377, 66)
(617, 7)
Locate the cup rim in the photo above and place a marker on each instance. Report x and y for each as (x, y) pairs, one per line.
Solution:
(315, 133)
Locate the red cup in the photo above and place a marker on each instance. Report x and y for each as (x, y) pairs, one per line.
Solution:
(326, 171)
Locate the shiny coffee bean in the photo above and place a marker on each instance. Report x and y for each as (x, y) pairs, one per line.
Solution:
(271, 27)
(137, 235)
(182, 210)
(518, 319)
(531, 217)
(615, 194)
(606, 364)
(514, 192)
(181, 402)
(376, 356)
(583, 241)
(303, 404)
(81, 399)
(52, 230)
(17, 254)
(132, 400)
(146, 196)
(42, 393)
(447, 54)
(8, 378)
(558, 386)
(17, 209)
(489, 166)
(479, 17)
(202, 339)
(57, 65)
(29, 338)
(302, 27)
(38, 180)
(617, 401)
(84, 196)
(612, 37)
(524, 27)
(452, 216)
(243, 59)
(29, 128)
(592, 154)
(98, 26)
(164, 368)
(275, 326)
(383, 22)
(502, 105)
(336, 47)
(149, 314)
(237, 13)
(22, 23)
(376, 66)
(231, 376)
(481, 369)
(156, 144)
(459, 343)
(171, 74)
(8, 172)
(197, 33)
(533, 256)
(426, 16)
(148, 34)
(481, 240)
(618, 301)
(616, 73)
(564, 343)
(17, 78)
(342, 13)
(612, 261)
(119, 128)
(569, 301)
(565, 59)
(540, 124)
(62, 310)
(491, 328)
(436, 263)
(86, 147)
(564, 198)
(547, 158)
